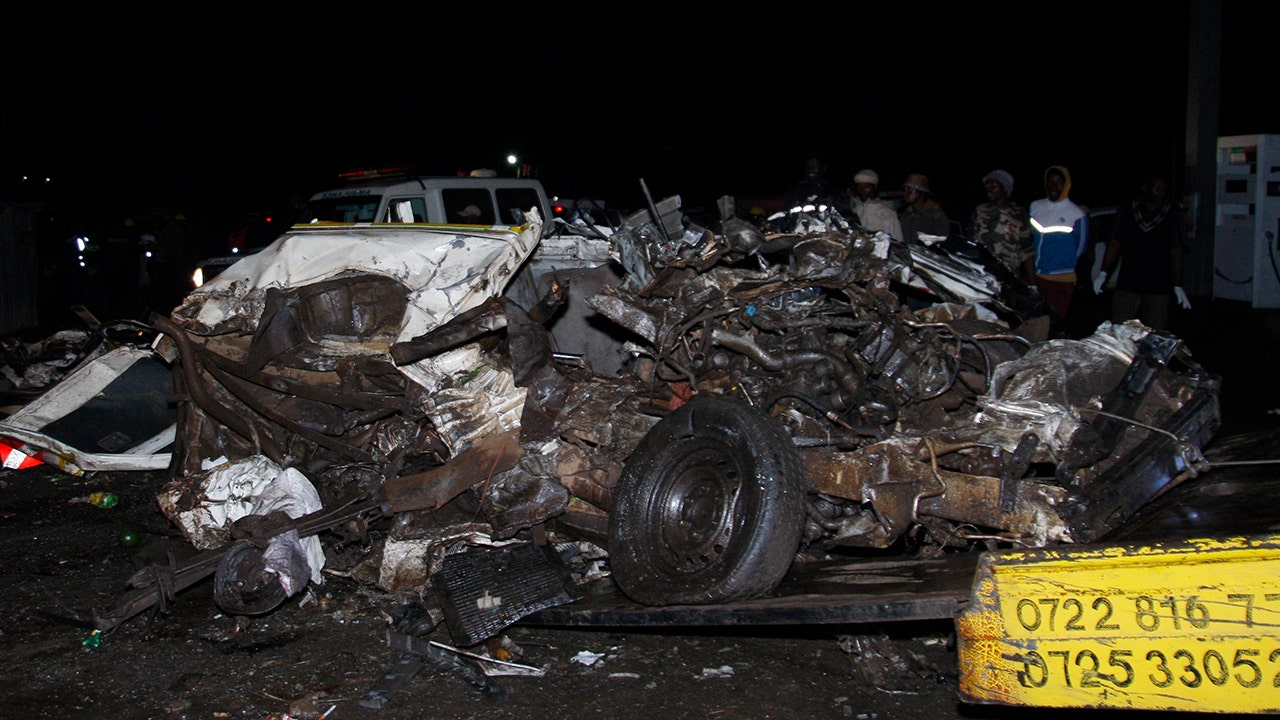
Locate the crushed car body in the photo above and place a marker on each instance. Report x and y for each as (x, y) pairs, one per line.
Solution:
(728, 400)
(111, 410)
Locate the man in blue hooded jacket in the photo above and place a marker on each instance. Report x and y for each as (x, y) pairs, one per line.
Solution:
(1060, 234)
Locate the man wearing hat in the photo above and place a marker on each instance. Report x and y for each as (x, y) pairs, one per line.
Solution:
(873, 213)
(1004, 227)
(921, 213)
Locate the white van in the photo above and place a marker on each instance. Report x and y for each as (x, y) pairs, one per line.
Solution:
(379, 198)
(392, 196)
(464, 200)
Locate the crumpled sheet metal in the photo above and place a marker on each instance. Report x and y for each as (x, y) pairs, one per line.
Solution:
(86, 382)
(471, 395)
(454, 270)
(494, 453)
(1053, 372)
(1041, 391)
(42, 363)
(412, 554)
(962, 278)
(518, 499)
(205, 510)
(443, 272)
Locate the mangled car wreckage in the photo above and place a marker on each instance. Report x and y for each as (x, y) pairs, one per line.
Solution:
(703, 406)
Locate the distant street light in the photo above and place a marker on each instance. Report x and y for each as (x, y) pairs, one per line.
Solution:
(522, 169)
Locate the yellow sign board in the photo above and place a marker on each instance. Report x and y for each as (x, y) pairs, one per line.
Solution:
(1191, 625)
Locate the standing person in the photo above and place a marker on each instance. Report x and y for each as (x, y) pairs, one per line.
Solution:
(873, 213)
(813, 189)
(1004, 227)
(921, 213)
(1060, 234)
(1149, 235)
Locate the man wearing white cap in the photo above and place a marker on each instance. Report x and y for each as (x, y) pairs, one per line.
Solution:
(873, 213)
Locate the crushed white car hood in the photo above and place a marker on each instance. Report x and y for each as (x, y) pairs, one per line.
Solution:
(448, 270)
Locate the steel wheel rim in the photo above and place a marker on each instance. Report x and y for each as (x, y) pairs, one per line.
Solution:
(696, 508)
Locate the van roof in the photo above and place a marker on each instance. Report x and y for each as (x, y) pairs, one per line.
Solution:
(423, 182)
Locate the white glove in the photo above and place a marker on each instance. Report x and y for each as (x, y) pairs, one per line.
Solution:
(1099, 282)
(1181, 296)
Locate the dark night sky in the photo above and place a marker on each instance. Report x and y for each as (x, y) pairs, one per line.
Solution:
(237, 106)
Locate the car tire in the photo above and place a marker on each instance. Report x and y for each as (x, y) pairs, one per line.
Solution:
(710, 507)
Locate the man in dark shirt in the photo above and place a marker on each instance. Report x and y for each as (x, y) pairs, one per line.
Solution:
(814, 189)
(921, 213)
(1149, 236)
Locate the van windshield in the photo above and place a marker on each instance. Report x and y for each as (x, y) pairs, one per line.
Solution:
(344, 209)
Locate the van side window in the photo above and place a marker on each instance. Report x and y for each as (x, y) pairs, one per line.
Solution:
(344, 209)
(513, 203)
(406, 210)
(468, 206)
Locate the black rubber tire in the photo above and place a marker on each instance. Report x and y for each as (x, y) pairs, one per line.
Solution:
(710, 507)
(242, 585)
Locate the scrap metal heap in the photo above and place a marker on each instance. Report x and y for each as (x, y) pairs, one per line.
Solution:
(801, 385)
(925, 423)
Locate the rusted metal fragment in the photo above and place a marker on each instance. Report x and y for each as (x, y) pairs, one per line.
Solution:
(155, 584)
(975, 500)
(493, 454)
(900, 487)
(818, 592)
(619, 310)
(195, 385)
(586, 520)
(1100, 434)
(316, 422)
(331, 391)
(518, 500)
(1156, 462)
(466, 327)
(1015, 466)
